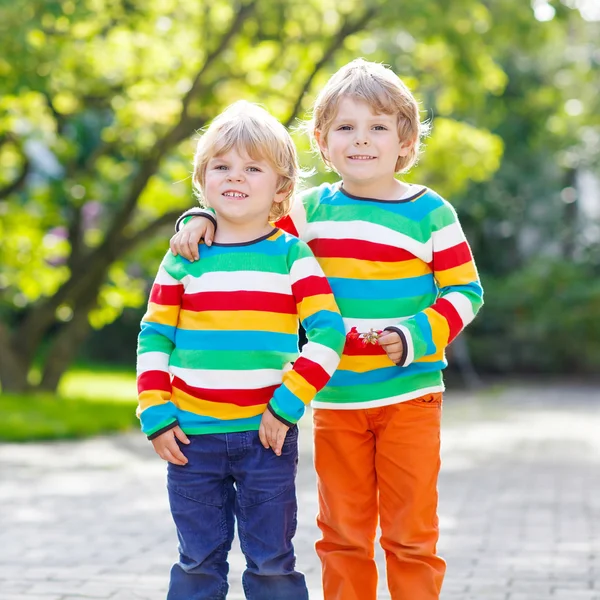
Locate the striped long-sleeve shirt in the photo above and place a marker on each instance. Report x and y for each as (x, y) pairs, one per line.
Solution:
(220, 335)
(401, 264)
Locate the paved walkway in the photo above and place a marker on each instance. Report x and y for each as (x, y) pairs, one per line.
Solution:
(519, 507)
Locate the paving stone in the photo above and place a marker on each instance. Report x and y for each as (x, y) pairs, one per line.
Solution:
(519, 507)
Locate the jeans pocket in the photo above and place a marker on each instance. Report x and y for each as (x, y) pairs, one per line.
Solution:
(427, 401)
(268, 475)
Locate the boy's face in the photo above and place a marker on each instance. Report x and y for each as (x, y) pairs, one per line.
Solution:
(362, 146)
(241, 189)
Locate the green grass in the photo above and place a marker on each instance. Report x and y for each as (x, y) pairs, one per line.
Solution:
(91, 401)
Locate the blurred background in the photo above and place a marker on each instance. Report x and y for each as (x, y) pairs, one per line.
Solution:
(100, 102)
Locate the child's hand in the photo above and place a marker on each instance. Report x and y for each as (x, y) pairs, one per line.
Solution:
(391, 342)
(165, 445)
(272, 432)
(185, 241)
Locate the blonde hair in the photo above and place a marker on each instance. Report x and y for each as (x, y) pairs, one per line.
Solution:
(384, 92)
(247, 127)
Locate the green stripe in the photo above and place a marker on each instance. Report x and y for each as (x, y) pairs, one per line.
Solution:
(378, 391)
(154, 343)
(375, 215)
(382, 309)
(230, 359)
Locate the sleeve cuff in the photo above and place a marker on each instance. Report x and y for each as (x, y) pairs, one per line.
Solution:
(163, 429)
(278, 417)
(195, 213)
(404, 356)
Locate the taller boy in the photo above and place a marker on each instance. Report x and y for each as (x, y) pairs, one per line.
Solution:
(398, 262)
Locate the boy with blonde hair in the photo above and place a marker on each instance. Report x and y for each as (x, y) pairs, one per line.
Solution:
(218, 396)
(404, 278)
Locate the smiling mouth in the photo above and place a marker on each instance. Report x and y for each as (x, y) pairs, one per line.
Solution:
(361, 157)
(234, 195)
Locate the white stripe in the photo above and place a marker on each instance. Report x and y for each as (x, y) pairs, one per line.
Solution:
(462, 305)
(163, 278)
(448, 237)
(234, 281)
(322, 355)
(364, 325)
(410, 350)
(368, 232)
(298, 216)
(152, 361)
(381, 402)
(305, 267)
(218, 379)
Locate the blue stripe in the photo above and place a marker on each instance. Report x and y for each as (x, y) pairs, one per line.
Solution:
(324, 319)
(424, 326)
(346, 378)
(279, 247)
(148, 328)
(415, 211)
(189, 420)
(383, 289)
(187, 339)
(154, 418)
(288, 403)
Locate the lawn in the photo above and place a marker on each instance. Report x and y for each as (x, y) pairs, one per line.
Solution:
(91, 401)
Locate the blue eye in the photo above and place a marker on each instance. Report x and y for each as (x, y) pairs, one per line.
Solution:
(380, 128)
(220, 168)
(344, 128)
(254, 169)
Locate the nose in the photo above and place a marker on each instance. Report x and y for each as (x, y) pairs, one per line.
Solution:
(361, 140)
(235, 176)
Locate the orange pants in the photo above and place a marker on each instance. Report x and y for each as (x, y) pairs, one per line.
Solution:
(379, 463)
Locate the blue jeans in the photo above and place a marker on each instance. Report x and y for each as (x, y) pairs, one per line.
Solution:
(231, 476)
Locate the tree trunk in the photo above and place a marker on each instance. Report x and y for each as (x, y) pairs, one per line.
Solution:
(63, 349)
(13, 369)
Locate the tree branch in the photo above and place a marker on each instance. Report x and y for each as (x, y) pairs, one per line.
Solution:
(347, 29)
(13, 186)
(149, 231)
(245, 11)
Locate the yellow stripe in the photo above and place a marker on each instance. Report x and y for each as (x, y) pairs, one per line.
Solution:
(165, 315)
(440, 329)
(352, 268)
(149, 398)
(245, 320)
(363, 364)
(294, 382)
(217, 410)
(312, 304)
(457, 275)
(275, 236)
(432, 357)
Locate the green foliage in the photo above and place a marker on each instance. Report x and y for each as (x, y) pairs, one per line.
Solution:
(544, 318)
(100, 101)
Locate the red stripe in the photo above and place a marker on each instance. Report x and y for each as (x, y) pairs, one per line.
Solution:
(240, 300)
(447, 310)
(355, 349)
(238, 397)
(310, 286)
(287, 225)
(452, 257)
(154, 380)
(166, 294)
(327, 248)
(314, 373)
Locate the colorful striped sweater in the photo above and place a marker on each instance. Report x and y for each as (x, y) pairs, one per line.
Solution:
(220, 335)
(401, 264)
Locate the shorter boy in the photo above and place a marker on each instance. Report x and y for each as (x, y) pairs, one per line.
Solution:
(218, 396)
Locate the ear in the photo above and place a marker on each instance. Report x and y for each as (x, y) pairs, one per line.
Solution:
(281, 195)
(406, 147)
(322, 143)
